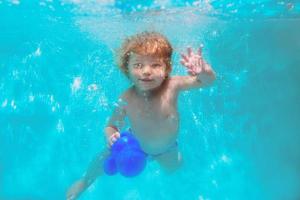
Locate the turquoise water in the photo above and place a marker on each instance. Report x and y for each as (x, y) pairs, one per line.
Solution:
(59, 82)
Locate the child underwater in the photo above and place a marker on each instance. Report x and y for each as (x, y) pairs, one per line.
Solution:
(150, 104)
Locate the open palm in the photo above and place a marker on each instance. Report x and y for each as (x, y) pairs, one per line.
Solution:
(195, 63)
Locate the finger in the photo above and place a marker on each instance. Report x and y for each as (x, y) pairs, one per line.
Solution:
(198, 66)
(189, 50)
(191, 72)
(202, 62)
(117, 134)
(114, 139)
(184, 63)
(111, 139)
(200, 51)
(184, 57)
(198, 61)
(112, 136)
(199, 70)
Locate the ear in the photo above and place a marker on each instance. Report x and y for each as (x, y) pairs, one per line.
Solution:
(168, 70)
(167, 74)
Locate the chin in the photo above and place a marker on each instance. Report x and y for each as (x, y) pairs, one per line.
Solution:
(147, 89)
(150, 88)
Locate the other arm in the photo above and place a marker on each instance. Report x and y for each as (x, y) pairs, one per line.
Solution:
(116, 122)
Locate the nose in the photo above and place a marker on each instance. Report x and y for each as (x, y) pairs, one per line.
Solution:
(146, 70)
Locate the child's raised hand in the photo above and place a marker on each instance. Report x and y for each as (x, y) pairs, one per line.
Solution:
(113, 138)
(195, 63)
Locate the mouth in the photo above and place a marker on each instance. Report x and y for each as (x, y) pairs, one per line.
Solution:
(146, 80)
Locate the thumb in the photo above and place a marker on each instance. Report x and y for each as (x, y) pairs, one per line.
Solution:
(117, 134)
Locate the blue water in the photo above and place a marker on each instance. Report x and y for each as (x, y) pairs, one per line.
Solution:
(59, 82)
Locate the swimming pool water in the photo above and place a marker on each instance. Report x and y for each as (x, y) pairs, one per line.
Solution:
(59, 83)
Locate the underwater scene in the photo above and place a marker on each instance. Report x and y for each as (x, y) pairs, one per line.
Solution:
(59, 83)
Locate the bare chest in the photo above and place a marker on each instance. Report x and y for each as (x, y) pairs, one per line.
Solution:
(157, 111)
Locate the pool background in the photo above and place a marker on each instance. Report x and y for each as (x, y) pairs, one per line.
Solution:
(59, 83)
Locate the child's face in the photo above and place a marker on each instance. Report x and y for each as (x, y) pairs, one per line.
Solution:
(146, 72)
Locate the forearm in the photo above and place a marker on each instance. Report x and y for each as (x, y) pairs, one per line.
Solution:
(94, 170)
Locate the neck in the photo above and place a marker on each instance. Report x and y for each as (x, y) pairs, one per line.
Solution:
(145, 93)
(149, 93)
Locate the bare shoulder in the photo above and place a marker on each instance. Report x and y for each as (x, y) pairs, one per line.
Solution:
(172, 81)
(171, 85)
(126, 95)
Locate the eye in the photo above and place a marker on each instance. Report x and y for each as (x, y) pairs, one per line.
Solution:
(156, 65)
(138, 65)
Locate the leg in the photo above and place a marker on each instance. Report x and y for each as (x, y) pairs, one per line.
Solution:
(95, 169)
(170, 161)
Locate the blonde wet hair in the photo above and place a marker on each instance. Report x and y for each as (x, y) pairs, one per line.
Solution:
(145, 43)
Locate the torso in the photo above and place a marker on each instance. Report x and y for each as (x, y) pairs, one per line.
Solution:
(154, 120)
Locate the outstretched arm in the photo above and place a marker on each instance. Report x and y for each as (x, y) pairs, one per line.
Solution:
(200, 73)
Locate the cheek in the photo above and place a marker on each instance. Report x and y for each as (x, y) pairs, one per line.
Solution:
(162, 73)
(132, 73)
(134, 76)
